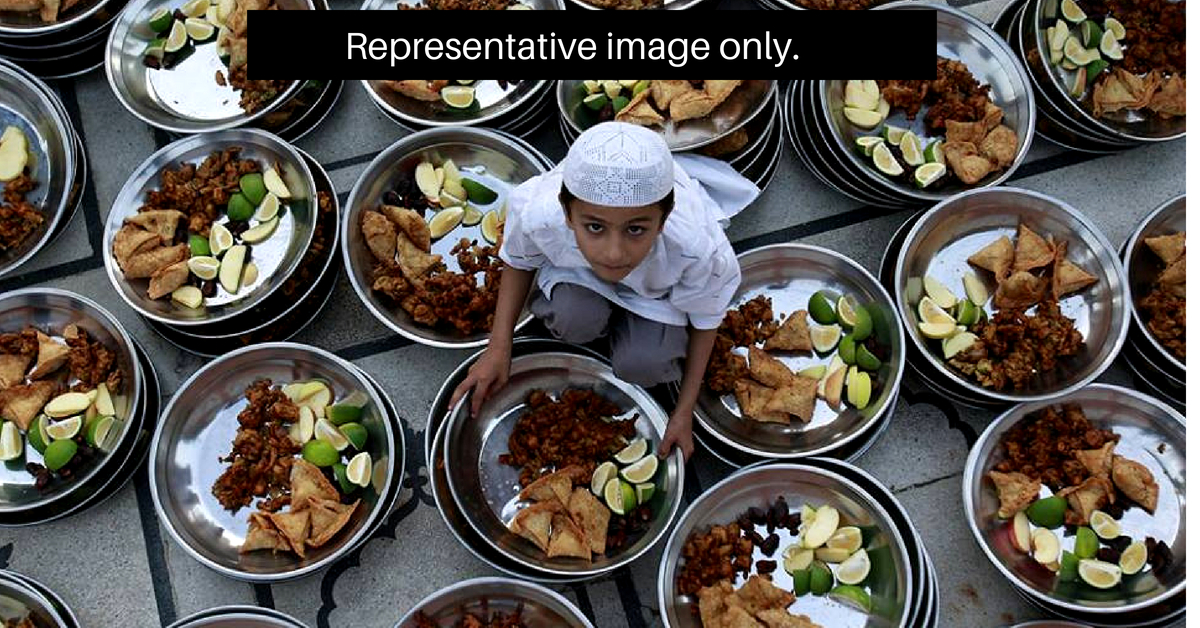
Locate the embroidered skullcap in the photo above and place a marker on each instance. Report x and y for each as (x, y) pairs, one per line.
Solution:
(616, 164)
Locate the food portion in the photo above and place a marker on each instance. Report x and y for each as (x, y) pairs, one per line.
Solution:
(192, 238)
(1089, 487)
(223, 23)
(401, 241)
(462, 5)
(18, 217)
(653, 103)
(497, 619)
(572, 453)
(60, 399)
(766, 389)
(1124, 56)
(821, 551)
(455, 95)
(1015, 348)
(1165, 307)
(962, 133)
(49, 11)
(305, 456)
(20, 622)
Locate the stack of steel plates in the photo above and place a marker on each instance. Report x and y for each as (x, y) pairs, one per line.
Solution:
(238, 616)
(899, 590)
(483, 598)
(515, 107)
(117, 454)
(23, 596)
(832, 147)
(1149, 433)
(202, 418)
(189, 97)
(1064, 119)
(937, 244)
(750, 116)
(296, 269)
(1160, 369)
(70, 45)
(59, 161)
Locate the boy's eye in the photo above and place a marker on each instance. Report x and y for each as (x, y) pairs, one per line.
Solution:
(636, 230)
(594, 227)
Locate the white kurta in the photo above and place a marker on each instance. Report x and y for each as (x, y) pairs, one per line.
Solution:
(691, 272)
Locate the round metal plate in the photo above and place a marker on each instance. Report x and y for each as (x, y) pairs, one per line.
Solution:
(56, 601)
(1152, 434)
(942, 240)
(277, 257)
(1142, 268)
(494, 100)
(539, 607)
(18, 598)
(486, 491)
(238, 617)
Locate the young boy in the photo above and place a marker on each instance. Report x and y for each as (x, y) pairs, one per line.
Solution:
(623, 242)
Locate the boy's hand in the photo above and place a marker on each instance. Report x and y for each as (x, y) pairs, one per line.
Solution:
(679, 434)
(485, 377)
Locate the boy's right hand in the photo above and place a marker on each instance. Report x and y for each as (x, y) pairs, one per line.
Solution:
(485, 377)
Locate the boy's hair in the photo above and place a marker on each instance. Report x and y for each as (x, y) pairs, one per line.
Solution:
(666, 204)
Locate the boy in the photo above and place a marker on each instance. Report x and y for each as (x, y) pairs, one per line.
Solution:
(623, 242)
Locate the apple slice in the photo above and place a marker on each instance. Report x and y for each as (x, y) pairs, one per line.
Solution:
(1045, 547)
(1019, 531)
(14, 153)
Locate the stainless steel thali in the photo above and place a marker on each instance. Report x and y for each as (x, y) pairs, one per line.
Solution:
(493, 101)
(892, 576)
(742, 105)
(539, 607)
(199, 424)
(943, 238)
(238, 616)
(485, 490)
(1142, 267)
(1152, 434)
(789, 274)
(276, 257)
(55, 600)
(18, 598)
(492, 158)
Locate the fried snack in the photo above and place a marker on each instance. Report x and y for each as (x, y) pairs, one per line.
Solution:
(533, 523)
(798, 398)
(165, 280)
(1020, 290)
(294, 525)
(12, 369)
(1094, 494)
(793, 335)
(996, 257)
(262, 456)
(1136, 482)
(329, 516)
(639, 111)
(1097, 461)
(22, 404)
(567, 539)
(1014, 349)
(1033, 251)
(1016, 491)
(1067, 276)
(1168, 248)
(18, 217)
(308, 483)
(51, 356)
(767, 369)
(752, 398)
(592, 517)
(550, 487)
(1042, 446)
(160, 222)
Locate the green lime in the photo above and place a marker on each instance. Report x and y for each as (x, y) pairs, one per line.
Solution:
(458, 96)
(355, 433)
(37, 435)
(1090, 34)
(641, 471)
(320, 453)
(1110, 46)
(12, 446)
(340, 413)
(644, 84)
(472, 216)
(847, 311)
(253, 187)
(65, 428)
(98, 429)
(852, 596)
(239, 207)
(1095, 68)
(344, 483)
(478, 192)
(177, 39)
(1071, 11)
(820, 580)
(928, 174)
(1086, 542)
(160, 20)
(198, 245)
(645, 491)
(867, 143)
(633, 452)
(620, 103)
(800, 582)
(864, 359)
(968, 312)
(156, 49)
(1068, 569)
(59, 453)
(885, 161)
(847, 350)
(1114, 25)
(619, 496)
(893, 134)
(1047, 512)
(358, 470)
(821, 310)
(595, 102)
(934, 153)
(863, 325)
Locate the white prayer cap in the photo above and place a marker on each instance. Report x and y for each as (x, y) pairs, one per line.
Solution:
(616, 164)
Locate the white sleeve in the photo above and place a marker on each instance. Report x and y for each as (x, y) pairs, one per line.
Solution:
(518, 249)
(707, 287)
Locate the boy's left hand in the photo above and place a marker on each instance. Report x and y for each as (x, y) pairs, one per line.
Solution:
(679, 434)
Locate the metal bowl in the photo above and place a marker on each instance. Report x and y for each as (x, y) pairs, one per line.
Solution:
(789, 274)
(28, 24)
(1142, 267)
(742, 106)
(55, 600)
(1151, 433)
(1124, 125)
(964, 38)
(540, 607)
(185, 99)
(50, 308)
(486, 490)
(494, 101)
(25, 103)
(798, 484)
(944, 237)
(199, 424)
(19, 597)
(506, 162)
(237, 616)
(276, 258)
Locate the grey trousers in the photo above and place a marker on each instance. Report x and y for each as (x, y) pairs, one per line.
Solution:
(644, 352)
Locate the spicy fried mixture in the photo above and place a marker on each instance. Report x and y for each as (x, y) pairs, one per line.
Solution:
(200, 192)
(262, 454)
(1165, 307)
(255, 94)
(752, 322)
(574, 430)
(24, 622)
(1043, 446)
(18, 217)
(471, 620)
(839, 5)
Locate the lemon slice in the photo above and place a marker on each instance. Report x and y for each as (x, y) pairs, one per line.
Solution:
(854, 570)
(825, 337)
(934, 153)
(275, 185)
(1114, 25)
(1071, 11)
(1110, 46)
(261, 231)
(976, 291)
(641, 471)
(177, 39)
(937, 331)
(867, 143)
(445, 221)
(633, 452)
(67, 428)
(328, 432)
(619, 496)
(848, 538)
(98, 430)
(928, 174)
(1099, 574)
(11, 444)
(847, 310)
(204, 266)
(1104, 525)
(910, 149)
(885, 161)
(604, 472)
(195, 8)
(219, 239)
(268, 208)
(931, 312)
(359, 469)
(199, 29)
(1133, 559)
(458, 96)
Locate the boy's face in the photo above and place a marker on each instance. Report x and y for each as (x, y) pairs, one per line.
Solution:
(614, 240)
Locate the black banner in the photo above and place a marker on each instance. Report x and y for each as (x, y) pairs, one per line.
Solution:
(383, 44)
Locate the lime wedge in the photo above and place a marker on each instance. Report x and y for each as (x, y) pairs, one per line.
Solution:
(850, 595)
(359, 469)
(968, 313)
(864, 359)
(261, 231)
(268, 208)
(275, 184)
(612, 89)
(66, 428)
(98, 429)
(160, 20)
(976, 291)
(633, 452)
(1090, 33)
(801, 580)
(957, 343)
(1068, 567)
(478, 192)
(1095, 68)
(863, 325)
(848, 538)
(177, 39)
(188, 296)
(931, 312)
(1133, 559)
(57, 454)
(821, 310)
(320, 453)
(1071, 11)
(645, 491)
(198, 245)
(825, 337)
(893, 134)
(204, 267)
(640, 87)
(230, 274)
(1047, 512)
(240, 207)
(344, 483)
(604, 472)
(472, 216)
(863, 118)
(620, 103)
(195, 8)
(866, 144)
(846, 350)
(1110, 46)
(1104, 525)
(937, 331)
(885, 161)
(213, 15)
(910, 149)
(219, 239)
(355, 433)
(445, 221)
(847, 311)
(38, 438)
(820, 578)
(592, 87)
(930, 173)
(199, 29)
(1086, 542)
(1076, 53)
(343, 412)
(619, 496)
(854, 569)
(458, 96)
(863, 396)
(940, 294)
(1114, 25)
(250, 271)
(12, 446)
(1099, 574)
(489, 227)
(933, 153)
(641, 471)
(813, 372)
(328, 432)
(596, 101)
